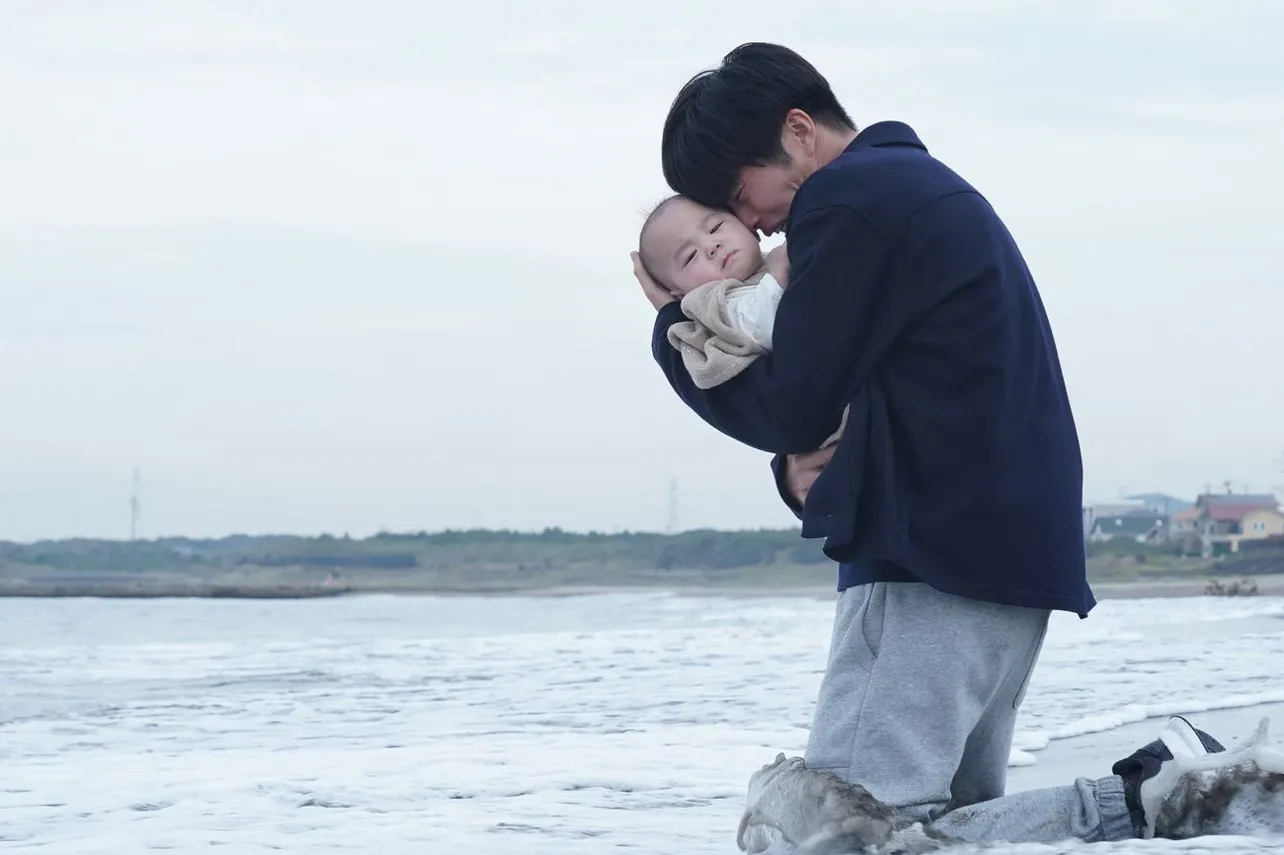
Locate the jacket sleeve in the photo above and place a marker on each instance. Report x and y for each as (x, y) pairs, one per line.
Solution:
(829, 321)
(778, 471)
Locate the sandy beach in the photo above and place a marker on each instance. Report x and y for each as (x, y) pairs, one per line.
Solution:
(1267, 586)
(246, 582)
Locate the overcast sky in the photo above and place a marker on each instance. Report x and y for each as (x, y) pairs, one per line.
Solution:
(335, 266)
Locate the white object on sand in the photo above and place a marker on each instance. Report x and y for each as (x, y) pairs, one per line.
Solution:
(1239, 792)
(791, 804)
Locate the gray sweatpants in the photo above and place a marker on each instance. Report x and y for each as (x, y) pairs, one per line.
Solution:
(918, 705)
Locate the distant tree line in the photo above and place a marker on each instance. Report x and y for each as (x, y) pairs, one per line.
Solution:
(551, 548)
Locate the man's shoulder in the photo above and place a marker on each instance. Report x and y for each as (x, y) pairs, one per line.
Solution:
(885, 185)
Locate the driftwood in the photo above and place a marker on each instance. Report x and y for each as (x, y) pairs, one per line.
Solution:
(1244, 588)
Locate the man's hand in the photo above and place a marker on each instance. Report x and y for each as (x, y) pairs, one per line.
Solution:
(658, 296)
(802, 470)
(777, 263)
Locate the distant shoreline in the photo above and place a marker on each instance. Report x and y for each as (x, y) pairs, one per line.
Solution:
(169, 588)
(1267, 586)
(550, 563)
(152, 590)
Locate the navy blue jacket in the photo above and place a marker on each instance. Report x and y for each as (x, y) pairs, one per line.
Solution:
(909, 300)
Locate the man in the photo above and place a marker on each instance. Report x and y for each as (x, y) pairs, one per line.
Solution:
(953, 499)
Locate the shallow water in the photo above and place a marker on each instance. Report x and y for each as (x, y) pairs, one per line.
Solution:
(625, 722)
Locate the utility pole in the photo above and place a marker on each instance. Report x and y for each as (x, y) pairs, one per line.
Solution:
(136, 504)
(671, 527)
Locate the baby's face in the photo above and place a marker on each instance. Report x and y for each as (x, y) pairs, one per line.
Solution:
(688, 245)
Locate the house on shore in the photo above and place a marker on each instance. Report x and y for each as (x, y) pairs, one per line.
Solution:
(1138, 524)
(1215, 524)
(1223, 521)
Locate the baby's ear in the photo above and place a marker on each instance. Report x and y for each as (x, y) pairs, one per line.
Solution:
(780, 758)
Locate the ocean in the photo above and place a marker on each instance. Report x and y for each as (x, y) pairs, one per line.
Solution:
(624, 722)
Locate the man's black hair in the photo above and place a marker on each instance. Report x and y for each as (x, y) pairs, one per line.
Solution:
(730, 117)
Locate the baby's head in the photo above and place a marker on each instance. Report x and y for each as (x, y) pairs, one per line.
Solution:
(684, 245)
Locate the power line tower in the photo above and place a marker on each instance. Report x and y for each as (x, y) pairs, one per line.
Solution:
(136, 504)
(671, 527)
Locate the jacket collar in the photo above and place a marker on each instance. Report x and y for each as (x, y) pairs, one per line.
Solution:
(886, 134)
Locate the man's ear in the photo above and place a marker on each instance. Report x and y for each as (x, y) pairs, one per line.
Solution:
(798, 136)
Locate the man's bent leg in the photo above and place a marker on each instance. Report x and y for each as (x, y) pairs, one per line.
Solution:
(915, 704)
(1091, 811)
(912, 675)
(1112, 808)
(983, 773)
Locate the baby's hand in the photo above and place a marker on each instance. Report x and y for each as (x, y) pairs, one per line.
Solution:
(778, 265)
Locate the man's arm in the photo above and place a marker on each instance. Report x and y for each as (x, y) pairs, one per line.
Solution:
(791, 399)
(840, 314)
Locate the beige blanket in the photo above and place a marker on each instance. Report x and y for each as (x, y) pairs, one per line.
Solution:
(714, 351)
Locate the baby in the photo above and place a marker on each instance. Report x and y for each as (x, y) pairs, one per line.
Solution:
(712, 263)
(728, 289)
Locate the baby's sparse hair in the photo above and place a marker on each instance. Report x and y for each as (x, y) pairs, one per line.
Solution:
(651, 269)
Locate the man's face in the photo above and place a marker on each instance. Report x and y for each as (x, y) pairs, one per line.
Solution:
(762, 199)
(763, 194)
(688, 245)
